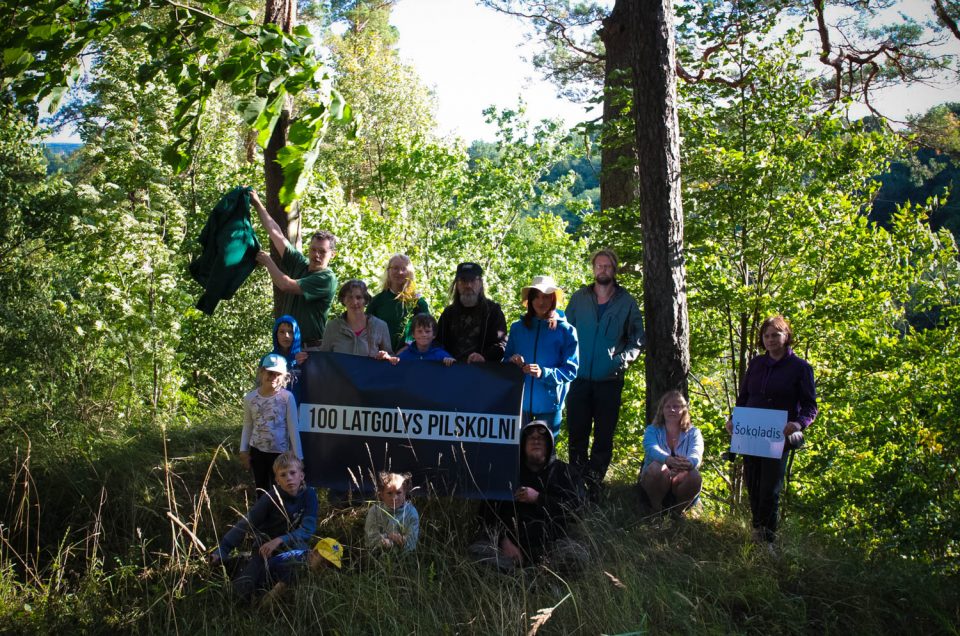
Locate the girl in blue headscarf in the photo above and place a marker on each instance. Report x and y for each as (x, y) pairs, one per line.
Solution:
(286, 342)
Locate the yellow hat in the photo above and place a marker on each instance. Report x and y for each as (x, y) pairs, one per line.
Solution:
(331, 550)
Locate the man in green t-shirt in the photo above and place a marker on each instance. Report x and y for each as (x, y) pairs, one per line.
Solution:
(309, 286)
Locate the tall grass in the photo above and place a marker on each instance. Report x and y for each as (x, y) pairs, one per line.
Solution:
(110, 539)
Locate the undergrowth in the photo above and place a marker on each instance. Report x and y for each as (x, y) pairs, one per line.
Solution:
(109, 537)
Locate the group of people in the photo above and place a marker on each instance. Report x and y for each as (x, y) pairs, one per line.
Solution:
(573, 358)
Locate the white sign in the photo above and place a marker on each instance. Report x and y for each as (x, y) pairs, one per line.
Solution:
(409, 423)
(758, 432)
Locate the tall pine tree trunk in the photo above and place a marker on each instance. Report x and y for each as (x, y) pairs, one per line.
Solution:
(284, 14)
(618, 157)
(652, 61)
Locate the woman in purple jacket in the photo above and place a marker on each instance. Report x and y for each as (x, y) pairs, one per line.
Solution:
(782, 381)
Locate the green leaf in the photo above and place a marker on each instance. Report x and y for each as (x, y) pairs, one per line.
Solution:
(228, 70)
(250, 108)
(175, 157)
(147, 72)
(241, 10)
(56, 95)
(17, 57)
(43, 31)
(301, 133)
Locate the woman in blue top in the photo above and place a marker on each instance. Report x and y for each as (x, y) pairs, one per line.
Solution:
(549, 356)
(672, 448)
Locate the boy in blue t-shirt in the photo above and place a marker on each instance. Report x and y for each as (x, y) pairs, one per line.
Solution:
(424, 329)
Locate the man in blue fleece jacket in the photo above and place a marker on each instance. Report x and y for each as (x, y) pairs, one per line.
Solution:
(610, 329)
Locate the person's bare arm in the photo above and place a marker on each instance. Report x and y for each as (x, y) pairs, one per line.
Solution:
(273, 229)
(283, 282)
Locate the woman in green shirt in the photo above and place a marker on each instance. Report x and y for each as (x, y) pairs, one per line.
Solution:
(399, 301)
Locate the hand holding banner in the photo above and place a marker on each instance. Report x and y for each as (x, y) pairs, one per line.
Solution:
(758, 432)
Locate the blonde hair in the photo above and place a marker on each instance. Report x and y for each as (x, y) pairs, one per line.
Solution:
(409, 293)
(286, 460)
(660, 421)
(401, 480)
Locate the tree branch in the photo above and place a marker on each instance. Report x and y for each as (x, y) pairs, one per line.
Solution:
(209, 16)
(559, 30)
(945, 18)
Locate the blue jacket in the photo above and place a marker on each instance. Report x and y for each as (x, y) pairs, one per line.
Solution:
(608, 344)
(557, 353)
(434, 353)
(656, 449)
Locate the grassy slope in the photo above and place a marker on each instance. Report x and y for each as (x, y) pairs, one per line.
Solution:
(698, 576)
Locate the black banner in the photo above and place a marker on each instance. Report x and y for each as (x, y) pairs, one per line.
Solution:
(457, 428)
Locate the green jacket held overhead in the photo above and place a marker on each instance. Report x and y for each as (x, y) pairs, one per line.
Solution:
(230, 249)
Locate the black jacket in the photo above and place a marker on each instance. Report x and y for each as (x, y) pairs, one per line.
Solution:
(487, 325)
(230, 249)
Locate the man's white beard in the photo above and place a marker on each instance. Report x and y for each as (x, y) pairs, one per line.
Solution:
(469, 299)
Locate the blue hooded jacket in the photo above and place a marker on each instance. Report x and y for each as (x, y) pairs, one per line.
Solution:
(291, 355)
(557, 353)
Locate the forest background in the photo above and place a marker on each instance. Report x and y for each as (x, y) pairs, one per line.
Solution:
(119, 401)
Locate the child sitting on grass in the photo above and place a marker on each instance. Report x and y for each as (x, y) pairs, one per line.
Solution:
(423, 347)
(282, 522)
(269, 421)
(393, 522)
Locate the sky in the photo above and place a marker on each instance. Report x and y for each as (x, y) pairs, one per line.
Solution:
(474, 57)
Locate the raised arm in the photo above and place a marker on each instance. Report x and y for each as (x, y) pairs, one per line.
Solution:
(273, 229)
(283, 282)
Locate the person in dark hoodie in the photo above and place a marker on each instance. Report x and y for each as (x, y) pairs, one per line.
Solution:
(534, 528)
(286, 342)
